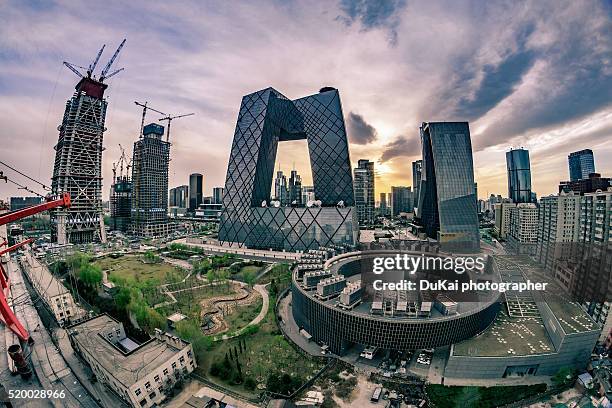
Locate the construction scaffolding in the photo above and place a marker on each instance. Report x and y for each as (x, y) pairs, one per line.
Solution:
(78, 157)
(78, 165)
(150, 183)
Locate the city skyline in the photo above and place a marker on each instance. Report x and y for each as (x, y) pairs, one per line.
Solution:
(501, 81)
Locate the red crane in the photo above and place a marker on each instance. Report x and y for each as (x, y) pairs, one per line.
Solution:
(7, 314)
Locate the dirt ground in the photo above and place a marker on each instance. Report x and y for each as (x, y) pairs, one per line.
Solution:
(360, 397)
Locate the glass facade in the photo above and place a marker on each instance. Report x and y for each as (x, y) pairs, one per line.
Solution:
(447, 199)
(266, 118)
(581, 164)
(519, 176)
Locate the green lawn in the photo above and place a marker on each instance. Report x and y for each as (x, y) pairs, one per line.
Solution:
(480, 397)
(131, 269)
(242, 315)
(267, 352)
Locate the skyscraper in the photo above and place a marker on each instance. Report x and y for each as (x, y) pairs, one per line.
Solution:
(196, 186)
(581, 164)
(281, 191)
(150, 183)
(78, 164)
(401, 200)
(295, 188)
(364, 191)
(179, 196)
(447, 205)
(417, 167)
(218, 195)
(265, 119)
(519, 175)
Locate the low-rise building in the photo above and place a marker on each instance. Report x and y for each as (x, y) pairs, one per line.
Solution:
(56, 297)
(142, 374)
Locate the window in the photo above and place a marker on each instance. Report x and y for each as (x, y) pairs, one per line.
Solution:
(174, 364)
(189, 353)
(148, 385)
(182, 359)
(156, 378)
(165, 371)
(137, 392)
(143, 402)
(152, 395)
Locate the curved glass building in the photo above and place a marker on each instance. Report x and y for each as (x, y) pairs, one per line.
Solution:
(447, 198)
(519, 175)
(249, 217)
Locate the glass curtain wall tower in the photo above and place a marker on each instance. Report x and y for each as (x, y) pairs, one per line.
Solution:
(266, 118)
(447, 201)
(519, 176)
(581, 164)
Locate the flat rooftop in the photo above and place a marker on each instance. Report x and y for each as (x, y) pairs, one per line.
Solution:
(508, 336)
(570, 315)
(127, 368)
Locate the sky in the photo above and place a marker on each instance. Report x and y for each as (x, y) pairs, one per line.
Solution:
(532, 74)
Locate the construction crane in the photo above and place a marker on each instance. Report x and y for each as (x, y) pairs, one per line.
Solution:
(123, 161)
(144, 113)
(169, 119)
(89, 71)
(7, 314)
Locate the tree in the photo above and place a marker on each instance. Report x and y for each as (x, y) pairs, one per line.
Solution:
(249, 277)
(563, 377)
(90, 275)
(123, 298)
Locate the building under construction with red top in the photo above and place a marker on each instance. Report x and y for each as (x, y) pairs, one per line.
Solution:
(78, 158)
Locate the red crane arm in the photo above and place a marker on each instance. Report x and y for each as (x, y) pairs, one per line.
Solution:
(35, 209)
(16, 246)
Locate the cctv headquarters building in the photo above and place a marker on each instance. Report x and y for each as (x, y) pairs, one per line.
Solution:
(249, 218)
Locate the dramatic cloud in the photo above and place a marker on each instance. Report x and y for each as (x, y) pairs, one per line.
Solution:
(373, 14)
(359, 131)
(533, 73)
(401, 147)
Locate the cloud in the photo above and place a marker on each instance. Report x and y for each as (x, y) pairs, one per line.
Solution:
(359, 131)
(401, 147)
(373, 14)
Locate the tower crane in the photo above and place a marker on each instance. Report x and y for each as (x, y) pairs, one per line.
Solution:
(144, 113)
(169, 119)
(89, 71)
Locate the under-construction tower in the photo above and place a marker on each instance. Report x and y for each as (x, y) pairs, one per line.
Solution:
(78, 158)
(121, 195)
(150, 183)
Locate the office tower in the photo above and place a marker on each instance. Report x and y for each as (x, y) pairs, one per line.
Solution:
(401, 200)
(383, 204)
(150, 183)
(364, 191)
(218, 195)
(558, 228)
(523, 228)
(295, 189)
(519, 175)
(590, 184)
(307, 194)
(581, 164)
(417, 168)
(121, 203)
(196, 188)
(281, 192)
(78, 164)
(447, 203)
(179, 196)
(265, 119)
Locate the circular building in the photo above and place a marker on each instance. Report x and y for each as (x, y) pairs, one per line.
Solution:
(332, 305)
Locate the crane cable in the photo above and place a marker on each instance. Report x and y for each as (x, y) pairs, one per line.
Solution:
(25, 188)
(45, 187)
